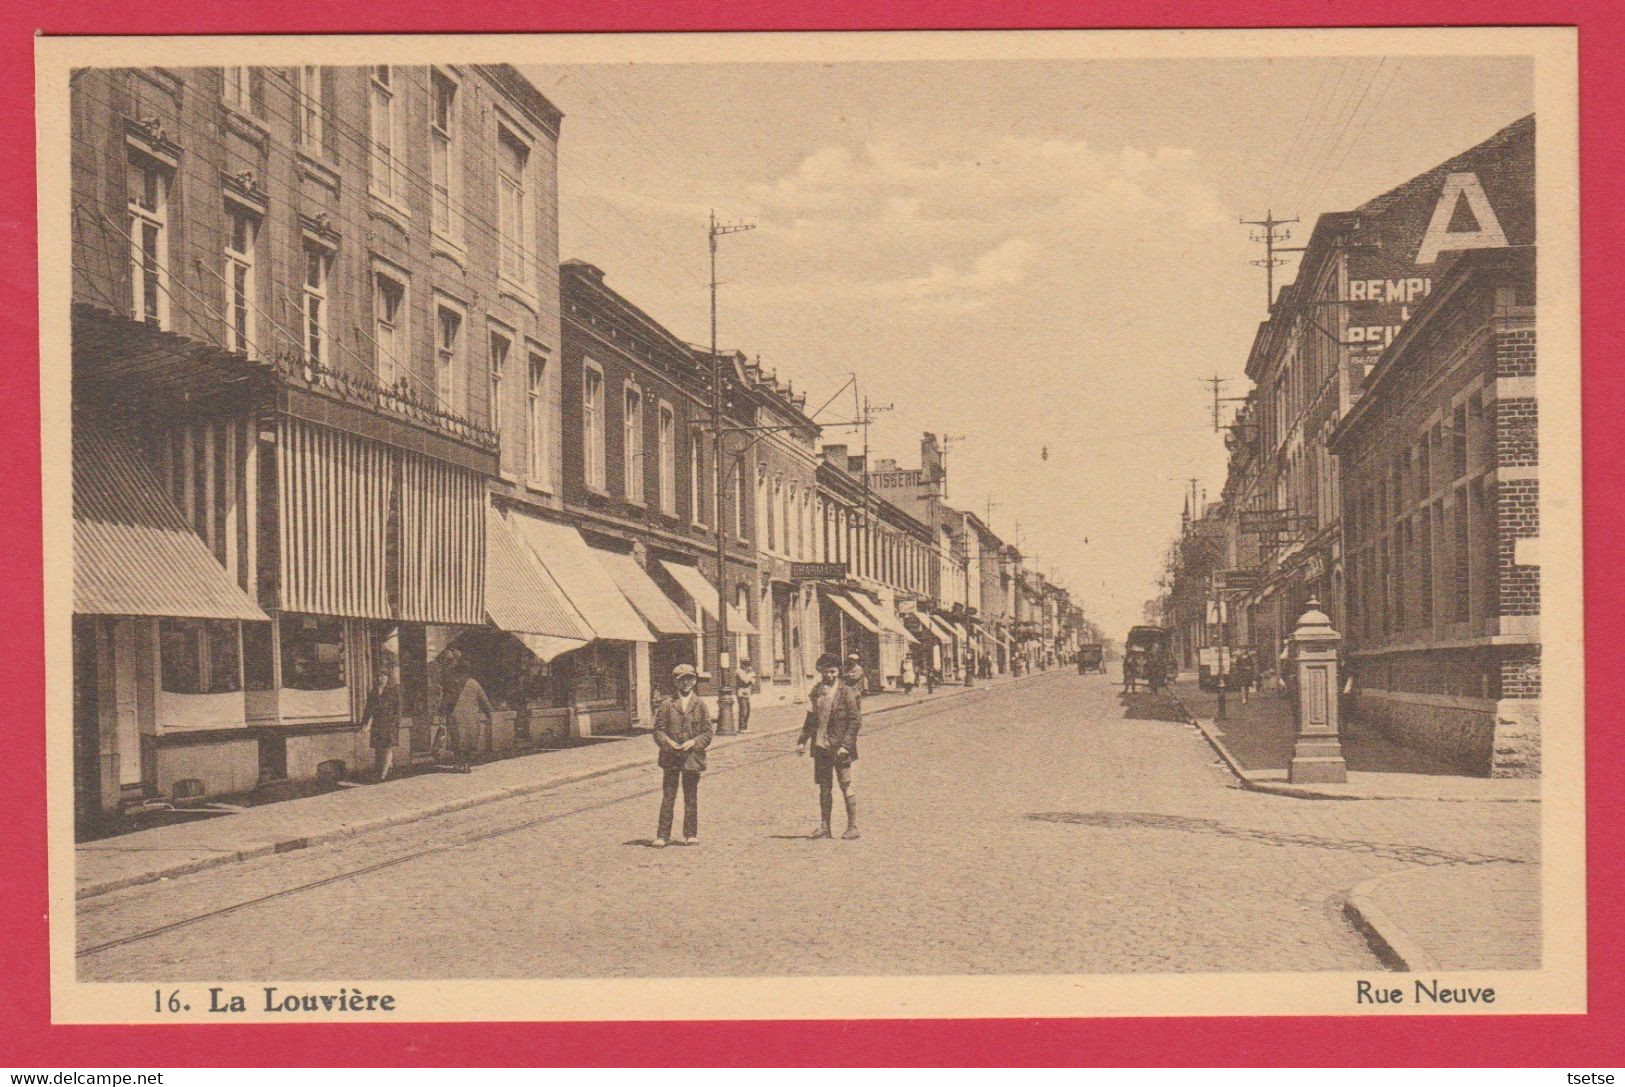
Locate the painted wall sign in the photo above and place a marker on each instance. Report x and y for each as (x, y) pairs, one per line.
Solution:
(1407, 238)
(817, 571)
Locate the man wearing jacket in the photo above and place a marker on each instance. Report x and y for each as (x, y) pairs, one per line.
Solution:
(834, 716)
(682, 732)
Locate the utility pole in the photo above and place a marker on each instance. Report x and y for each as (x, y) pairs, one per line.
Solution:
(1269, 236)
(726, 724)
(866, 415)
(1218, 382)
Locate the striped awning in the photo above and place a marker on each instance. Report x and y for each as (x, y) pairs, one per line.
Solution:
(133, 552)
(862, 618)
(698, 586)
(520, 597)
(654, 605)
(582, 578)
(882, 615)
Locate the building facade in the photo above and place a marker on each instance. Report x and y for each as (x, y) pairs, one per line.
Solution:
(283, 281)
(789, 510)
(1362, 275)
(640, 486)
(880, 608)
(1440, 469)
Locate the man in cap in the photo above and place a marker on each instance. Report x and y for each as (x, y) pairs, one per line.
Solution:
(834, 716)
(682, 732)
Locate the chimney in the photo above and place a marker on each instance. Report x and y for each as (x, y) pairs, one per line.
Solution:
(586, 271)
(930, 459)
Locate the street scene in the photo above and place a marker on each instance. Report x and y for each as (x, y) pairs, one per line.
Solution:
(1100, 837)
(520, 509)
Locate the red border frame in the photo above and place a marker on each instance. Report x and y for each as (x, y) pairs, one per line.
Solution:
(1563, 1041)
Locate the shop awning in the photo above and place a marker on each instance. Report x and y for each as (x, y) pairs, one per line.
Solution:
(133, 552)
(861, 618)
(698, 586)
(959, 632)
(943, 632)
(882, 615)
(520, 596)
(583, 580)
(646, 597)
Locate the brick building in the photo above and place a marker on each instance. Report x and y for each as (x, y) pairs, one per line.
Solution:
(287, 286)
(1441, 485)
(640, 487)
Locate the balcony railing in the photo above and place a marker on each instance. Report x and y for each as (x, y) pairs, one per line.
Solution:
(398, 399)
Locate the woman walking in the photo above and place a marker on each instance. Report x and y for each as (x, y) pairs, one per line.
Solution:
(383, 716)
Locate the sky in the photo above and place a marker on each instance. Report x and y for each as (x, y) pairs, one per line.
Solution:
(1036, 257)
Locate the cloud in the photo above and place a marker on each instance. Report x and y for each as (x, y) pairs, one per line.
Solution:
(947, 287)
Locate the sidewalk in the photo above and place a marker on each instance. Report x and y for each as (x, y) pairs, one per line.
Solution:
(1452, 917)
(109, 864)
(1482, 915)
(1256, 742)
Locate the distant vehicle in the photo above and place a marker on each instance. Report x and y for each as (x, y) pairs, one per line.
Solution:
(1091, 658)
(1145, 658)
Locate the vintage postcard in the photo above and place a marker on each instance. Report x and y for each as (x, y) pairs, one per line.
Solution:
(812, 526)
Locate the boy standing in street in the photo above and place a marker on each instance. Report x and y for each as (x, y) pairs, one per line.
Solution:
(682, 732)
(833, 719)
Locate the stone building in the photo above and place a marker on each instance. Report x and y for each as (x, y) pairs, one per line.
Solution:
(789, 512)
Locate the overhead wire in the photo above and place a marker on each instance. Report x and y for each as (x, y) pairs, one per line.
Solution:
(1354, 141)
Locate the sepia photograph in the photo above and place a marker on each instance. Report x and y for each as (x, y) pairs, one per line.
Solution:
(495, 487)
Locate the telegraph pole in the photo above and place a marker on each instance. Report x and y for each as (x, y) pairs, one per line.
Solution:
(725, 689)
(1217, 383)
(1269, 236)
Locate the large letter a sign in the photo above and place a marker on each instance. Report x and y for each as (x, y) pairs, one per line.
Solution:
(1440, 237)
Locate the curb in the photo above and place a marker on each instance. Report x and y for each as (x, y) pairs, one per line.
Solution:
(1397, 949)
(256, 849)
(1276, 788)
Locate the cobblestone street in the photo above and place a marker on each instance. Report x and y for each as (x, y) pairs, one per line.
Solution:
(1044, 827)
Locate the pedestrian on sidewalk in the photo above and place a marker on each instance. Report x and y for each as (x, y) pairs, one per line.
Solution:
(383, 716)
(745, 682)
(834, 716)
(470, 717)
(682, 732)
(907, 677)
(856, 678)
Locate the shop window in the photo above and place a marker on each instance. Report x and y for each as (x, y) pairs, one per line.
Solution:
(312, 653)
(199, 656)
(259, 663)
(597, 674)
